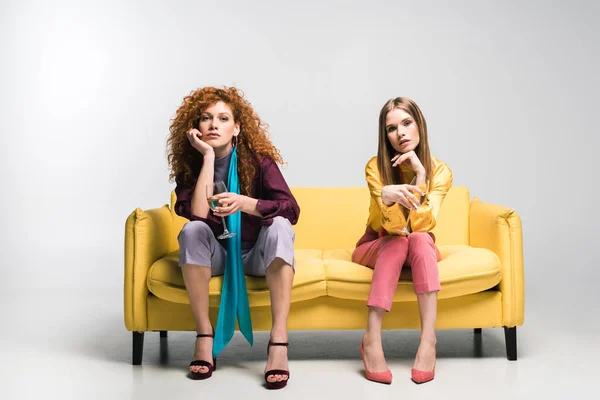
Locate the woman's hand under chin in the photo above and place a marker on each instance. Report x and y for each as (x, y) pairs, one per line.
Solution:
(194, 137)
(411, 160)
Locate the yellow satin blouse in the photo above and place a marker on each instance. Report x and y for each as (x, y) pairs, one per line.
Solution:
(393, 218)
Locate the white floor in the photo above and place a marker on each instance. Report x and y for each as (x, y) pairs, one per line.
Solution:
(73, 345)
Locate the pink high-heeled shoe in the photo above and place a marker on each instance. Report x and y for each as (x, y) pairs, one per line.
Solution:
(381, 377)
(419, 376)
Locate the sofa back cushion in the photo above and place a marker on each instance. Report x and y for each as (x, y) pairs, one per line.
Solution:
(335, 217)
(452, 226)
(331, 217)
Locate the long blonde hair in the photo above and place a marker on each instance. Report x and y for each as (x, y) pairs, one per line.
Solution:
(385, 152)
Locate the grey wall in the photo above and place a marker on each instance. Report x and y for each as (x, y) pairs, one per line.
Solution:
(87, 92)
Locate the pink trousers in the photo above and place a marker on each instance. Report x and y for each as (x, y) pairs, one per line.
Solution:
(386, 255)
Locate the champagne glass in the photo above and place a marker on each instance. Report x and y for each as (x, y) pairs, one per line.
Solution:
(404, 231)
(213, 189)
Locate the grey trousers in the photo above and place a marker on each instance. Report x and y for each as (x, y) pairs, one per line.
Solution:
(198, 246)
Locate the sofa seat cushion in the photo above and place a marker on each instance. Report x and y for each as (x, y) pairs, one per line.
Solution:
(166, 281)
(463, 270)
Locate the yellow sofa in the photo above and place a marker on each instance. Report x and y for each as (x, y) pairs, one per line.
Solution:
(481, 270)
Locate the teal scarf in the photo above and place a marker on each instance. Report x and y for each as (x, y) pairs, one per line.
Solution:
(234, 297)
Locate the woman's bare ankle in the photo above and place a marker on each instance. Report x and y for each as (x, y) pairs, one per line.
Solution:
(279, 334)
(372, 336)
(204, 327)
(428, 338)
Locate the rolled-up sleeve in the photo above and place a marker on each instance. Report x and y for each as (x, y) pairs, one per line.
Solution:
(392, 219)
(423, 219)
(277, 199)
(183, 206)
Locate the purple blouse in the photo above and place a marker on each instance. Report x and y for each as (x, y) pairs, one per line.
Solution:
(269, 188)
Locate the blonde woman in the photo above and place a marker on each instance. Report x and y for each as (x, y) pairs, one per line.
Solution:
(407, 186)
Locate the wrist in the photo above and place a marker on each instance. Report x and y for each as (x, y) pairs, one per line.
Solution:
(209, 156)
(249, 205)
(385, 198)
(243, 203)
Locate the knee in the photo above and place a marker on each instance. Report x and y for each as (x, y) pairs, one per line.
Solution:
(281, 229)
(282, 223)
(419, 239)
(396, 245)
(421, 247)
(193, 231)
(393, 253)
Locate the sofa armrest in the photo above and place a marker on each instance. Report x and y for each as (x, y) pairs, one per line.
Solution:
(148, 238)
(499, 229)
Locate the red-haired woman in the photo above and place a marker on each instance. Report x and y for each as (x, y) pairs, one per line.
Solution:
(217, 136)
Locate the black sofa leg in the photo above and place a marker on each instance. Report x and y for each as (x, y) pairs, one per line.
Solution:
(138, 348)
(510, 337)
(163, 334)
(477, 331)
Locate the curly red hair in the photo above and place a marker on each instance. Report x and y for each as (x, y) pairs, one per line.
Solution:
(253, 143)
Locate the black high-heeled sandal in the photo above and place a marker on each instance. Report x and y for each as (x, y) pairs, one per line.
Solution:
(201, 363)
(281, 384)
